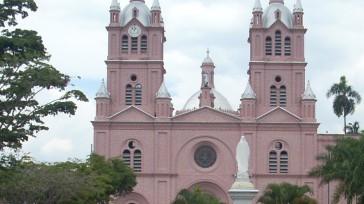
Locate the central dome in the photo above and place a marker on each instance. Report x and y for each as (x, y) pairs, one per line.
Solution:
(269, 15)
(142, 13)
(220, 101)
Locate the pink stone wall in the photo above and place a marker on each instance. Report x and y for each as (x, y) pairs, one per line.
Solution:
(168, 144)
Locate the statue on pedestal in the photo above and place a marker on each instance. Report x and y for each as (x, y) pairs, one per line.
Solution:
(242, 158)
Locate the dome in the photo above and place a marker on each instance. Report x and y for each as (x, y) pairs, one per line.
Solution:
(143, 16)
(269, 16)
(220, 101)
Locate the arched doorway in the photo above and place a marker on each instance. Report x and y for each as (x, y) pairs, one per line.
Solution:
(213, 189)
(132, 198)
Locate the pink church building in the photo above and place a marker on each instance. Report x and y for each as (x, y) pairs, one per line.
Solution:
(195, 146)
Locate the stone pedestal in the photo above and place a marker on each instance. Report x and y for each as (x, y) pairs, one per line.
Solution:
(243, 191)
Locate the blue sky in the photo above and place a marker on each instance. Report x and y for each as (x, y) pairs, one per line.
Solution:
(75, 35)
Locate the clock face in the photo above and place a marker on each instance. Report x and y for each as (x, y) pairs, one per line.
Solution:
(134, 31)
(205, 156)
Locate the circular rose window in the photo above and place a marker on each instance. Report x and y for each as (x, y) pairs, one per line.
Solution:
(205, 156)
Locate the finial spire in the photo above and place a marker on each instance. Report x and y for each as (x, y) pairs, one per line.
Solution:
(308, 95)
(103, 93)
(207, 58)
(115, 5)
(257, 6)
(156, 6)
(163, 92)
(298, 7)
(248, 93)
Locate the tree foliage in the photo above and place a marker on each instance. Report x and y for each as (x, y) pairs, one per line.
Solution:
(284, 193)
(353, 128)
(345, 99)
(24, 75)
(196, 197)
(343, 163)
(93, 181)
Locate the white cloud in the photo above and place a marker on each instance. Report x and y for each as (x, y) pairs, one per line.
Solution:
(57, 146)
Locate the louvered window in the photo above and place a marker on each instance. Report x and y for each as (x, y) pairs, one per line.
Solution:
(126, 157)
(137, 161)
(278, 43)
(282, 96)
(268, 46)
(273, 96)
(272, 162)
(283, 162)
(134, 45)
(128, 95)
(138, 94)
(125, 44)
(144, 44)
(287, 46)
(278, 158)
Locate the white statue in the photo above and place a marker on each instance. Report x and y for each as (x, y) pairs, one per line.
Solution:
(206, 79)
(242, 157)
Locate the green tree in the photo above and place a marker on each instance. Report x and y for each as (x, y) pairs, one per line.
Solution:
(343, 163)
(196, 197)
(93, 181)
(345, 99)
(284, 193)
(353, 128)
(24, 75)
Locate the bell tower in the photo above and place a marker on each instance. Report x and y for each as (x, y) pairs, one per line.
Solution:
(277, 62)
(135, 67)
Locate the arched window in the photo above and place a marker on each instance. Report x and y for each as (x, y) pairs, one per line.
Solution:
(144, 44)
(134, 45)
(272, 161)
(278, 43)
(282, 96)
(125, 44)
(268, 46)
(128, 95)
(273, 96)
(126, 157)
(278, 158)
(283, 159)
(137, 163)
(138, 94)
(287, 46)
(132, 156)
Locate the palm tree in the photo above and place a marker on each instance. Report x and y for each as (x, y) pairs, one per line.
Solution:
(196, 197)
(343, 163)
(345, 99)
(284, 193)
(353, 129)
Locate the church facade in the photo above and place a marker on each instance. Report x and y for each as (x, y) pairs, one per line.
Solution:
(195, 147)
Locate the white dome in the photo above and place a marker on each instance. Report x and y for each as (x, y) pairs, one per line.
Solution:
(126, 14)
(220, 101)
(269, 16)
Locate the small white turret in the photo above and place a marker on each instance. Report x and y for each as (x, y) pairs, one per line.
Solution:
(156, 6)
(298, 7)
(163, 92)
(103, 93)
(115, 6)
(257, 6)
